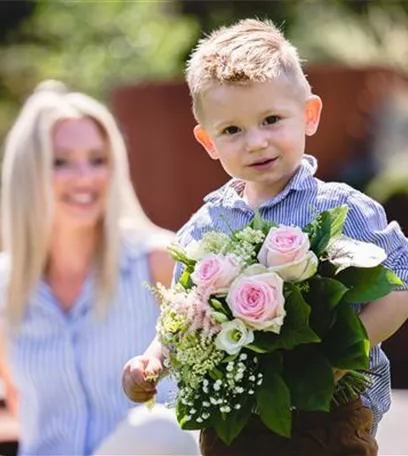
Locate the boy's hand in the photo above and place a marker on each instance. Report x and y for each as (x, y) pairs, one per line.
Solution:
(140, 376)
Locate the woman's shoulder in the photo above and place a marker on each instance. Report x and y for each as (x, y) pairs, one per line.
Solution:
(4, 275)
(150, 247)
(4, 269)
(161, 266)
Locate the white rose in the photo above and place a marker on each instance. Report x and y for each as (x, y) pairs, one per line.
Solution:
(233, 336)
(298, 270)
(254, 269)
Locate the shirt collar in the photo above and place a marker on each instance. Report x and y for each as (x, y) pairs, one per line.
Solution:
(230, 194)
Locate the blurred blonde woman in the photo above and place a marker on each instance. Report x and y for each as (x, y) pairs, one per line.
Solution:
(77, 250)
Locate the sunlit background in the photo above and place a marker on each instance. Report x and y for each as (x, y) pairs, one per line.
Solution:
(96, 45)
(131, 55)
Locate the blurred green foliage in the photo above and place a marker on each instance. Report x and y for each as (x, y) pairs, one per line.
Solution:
(92, 46)
(95, 45)
(376, 33)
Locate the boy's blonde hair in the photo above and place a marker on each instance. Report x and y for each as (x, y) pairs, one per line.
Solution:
(248, 51)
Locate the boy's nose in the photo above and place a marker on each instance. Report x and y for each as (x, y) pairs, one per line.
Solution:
(255, 139)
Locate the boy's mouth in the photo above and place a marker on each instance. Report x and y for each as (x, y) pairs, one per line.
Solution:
(264, 163)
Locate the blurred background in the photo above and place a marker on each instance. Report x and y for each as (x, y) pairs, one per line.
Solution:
(131, 55)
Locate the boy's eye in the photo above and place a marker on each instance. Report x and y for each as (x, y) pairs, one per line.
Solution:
(232, 130)
(270, 120)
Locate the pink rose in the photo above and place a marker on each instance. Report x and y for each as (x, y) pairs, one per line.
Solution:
(216, 272)
(283, 245)
(258, 301)
(286, 252)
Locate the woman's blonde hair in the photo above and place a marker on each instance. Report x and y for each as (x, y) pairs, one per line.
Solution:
(26, 197)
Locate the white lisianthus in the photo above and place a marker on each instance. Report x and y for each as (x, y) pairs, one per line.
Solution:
(344, 252)
(195, 250)
(233, 336)
(299, 270)
(211, 242)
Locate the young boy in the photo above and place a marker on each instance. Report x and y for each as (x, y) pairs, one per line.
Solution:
(254, 108)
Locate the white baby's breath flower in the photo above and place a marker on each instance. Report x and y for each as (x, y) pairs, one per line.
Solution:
(215, 242)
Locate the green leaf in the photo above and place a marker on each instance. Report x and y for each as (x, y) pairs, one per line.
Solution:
(216, 374)
(182, 413)
(325, 226)
(185, 280)
(309, 377)
(368, 284)
(295, 330)
(273, 401)
(256, 349)
(323, 296)
(259, 223)
(229, 427)
(347, 345)
(331, 291)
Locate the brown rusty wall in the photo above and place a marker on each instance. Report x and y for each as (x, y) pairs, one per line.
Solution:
(172, 173)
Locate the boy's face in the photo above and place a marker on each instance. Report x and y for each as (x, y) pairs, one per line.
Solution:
(257, 131)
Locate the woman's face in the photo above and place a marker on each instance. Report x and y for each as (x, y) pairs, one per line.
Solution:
(81, 173)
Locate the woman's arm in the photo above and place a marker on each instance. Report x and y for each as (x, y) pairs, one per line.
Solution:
(161, 267)
(11, 395)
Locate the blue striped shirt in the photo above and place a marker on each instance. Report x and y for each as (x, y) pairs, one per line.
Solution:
(68, 367)
(301, 200)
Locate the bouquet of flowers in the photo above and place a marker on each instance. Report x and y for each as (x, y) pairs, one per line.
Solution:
(260, 320)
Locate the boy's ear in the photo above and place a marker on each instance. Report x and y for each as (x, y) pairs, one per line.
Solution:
(204, 139)
(313, 110)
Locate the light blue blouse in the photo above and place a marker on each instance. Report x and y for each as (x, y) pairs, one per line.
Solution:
(68, 367)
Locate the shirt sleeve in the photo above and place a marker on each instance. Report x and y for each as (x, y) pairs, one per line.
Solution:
(367, 221)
